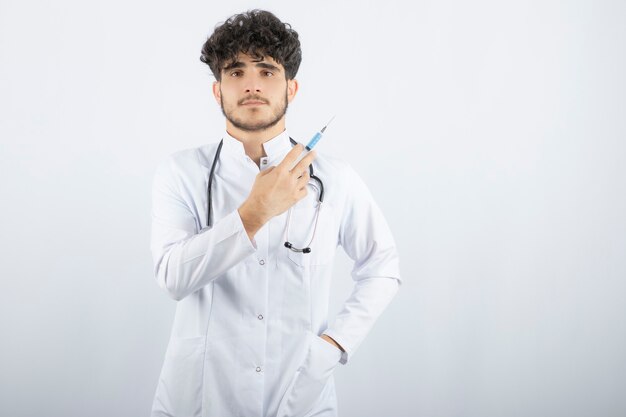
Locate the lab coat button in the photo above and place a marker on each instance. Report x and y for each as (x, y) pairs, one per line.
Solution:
(258, 369)
(262, 262)
(260, 317)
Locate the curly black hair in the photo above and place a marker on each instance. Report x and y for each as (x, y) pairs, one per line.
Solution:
(257, 33)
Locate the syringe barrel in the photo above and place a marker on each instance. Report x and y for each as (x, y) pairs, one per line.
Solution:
(313, 141)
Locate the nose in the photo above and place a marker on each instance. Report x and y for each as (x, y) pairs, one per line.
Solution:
(252, 84)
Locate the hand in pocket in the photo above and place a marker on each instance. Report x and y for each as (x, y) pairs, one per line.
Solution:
(310, 379)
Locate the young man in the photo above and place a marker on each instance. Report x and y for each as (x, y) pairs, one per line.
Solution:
(241, 240)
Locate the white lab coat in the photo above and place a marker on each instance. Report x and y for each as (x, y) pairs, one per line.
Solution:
(245, 340)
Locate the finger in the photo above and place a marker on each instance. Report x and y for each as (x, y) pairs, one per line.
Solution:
(303, 180)
(302, 193)
(291, 157)
(302, 173)
(305, 162)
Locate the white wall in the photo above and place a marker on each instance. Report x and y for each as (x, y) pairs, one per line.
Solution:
(491, 133)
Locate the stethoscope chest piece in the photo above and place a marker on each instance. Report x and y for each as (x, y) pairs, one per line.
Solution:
(290, 245)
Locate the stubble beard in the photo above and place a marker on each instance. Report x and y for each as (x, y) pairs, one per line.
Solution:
(278, 113)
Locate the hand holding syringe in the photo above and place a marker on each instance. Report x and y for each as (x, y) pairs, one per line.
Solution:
(273, 192)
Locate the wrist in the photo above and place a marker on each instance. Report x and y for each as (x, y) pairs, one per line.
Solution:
(250, 217)
(332, 342)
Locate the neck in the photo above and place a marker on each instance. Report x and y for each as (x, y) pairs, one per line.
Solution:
(253, 141)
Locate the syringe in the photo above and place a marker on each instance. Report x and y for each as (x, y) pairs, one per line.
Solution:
(316, 138)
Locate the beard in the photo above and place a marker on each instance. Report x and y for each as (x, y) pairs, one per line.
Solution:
(277, 113)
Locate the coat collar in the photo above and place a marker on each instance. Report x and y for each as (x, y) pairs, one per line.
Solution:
(275, 148)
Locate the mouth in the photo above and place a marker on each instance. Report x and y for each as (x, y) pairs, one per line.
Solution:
(252, 103)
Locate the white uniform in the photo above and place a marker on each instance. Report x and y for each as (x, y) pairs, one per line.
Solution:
(245, 340)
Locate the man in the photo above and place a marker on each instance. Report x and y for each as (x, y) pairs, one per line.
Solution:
(250, 335)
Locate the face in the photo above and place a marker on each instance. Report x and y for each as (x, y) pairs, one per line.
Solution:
(254, 94)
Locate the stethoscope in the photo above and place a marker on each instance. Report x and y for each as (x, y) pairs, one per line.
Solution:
(288, 244)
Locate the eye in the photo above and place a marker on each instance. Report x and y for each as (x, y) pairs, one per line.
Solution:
(235, 73)
(269, 73)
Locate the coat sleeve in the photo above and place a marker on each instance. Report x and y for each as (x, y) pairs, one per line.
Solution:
(184, 258)
(367, 240)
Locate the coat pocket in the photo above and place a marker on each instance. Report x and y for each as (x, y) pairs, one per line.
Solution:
(179, 392)
(310, 378)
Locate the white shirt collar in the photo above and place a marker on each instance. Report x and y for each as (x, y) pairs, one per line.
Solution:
(275, 148)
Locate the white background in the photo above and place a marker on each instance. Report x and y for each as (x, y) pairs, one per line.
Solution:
(491, 134)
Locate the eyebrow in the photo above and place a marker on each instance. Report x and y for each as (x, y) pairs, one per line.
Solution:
(239, 64)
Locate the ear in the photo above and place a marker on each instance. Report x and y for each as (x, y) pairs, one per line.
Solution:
(216, 92)
(292, 89)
